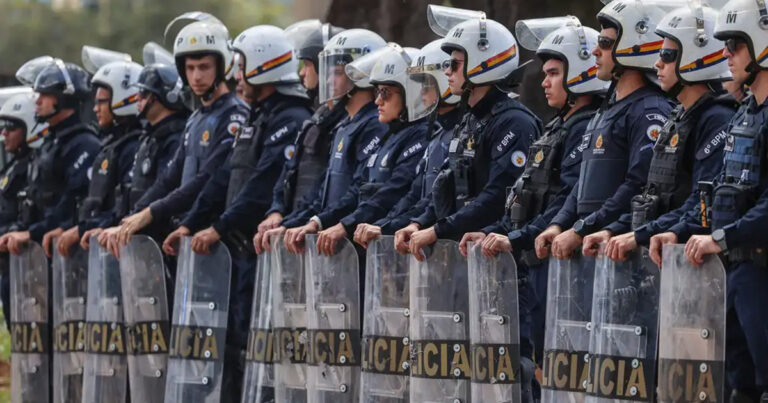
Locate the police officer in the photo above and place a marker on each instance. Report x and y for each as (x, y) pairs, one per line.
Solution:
(21, 134)
(552, 167)
(58, 175)
(116, 109)
(302, 174)
(739, 209)
(355, 138)
(618, 141)
(689, 148)
(241, 191)
(203, 60)
(426, 71)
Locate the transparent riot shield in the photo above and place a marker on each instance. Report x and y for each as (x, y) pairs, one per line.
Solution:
(142, 275)
(494, 326)
(199, 325)
(566, 339)
(625, 329)
(439, 326)
(70, 290)
(333, 324)
(289, 320)
(692, 321)
(30, 334)
(258, 383)
(106, 365)
(385, 350)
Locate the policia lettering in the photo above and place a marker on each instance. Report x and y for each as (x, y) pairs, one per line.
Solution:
(386, 355)
(334, 347)
(440, 359)
(105, 338)
(29, 337)
(261, 346)
(689, 381)
(197, 343)
(268, 346)
(619, 378)
(148, 338)
(69, 337)
(495, 363)
(565, 370)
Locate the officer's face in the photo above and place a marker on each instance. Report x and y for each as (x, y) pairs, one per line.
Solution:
(13, 138)
(101, 108)
(201, 73)
(308, 74)
(553, 83)
(666, 71)
(340, 83)
(738, 60)
(245, 91)
(45, 105)
(389, 99)
(455, 72)
(605, 62)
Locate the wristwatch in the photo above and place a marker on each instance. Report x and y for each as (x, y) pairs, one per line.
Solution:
(718, 236)
(315, 219)
(583, 225)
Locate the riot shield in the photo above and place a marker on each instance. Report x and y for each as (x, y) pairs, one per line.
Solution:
(494, 326)
(439, 326)
(199, 325)
(30, 335)
(258, 383)
(70, 289)
(625, 329)
(385, 362)
(289, 307)
(692, 336)
(333, 324)
(142, 275)
(106, 364)
(566, 339)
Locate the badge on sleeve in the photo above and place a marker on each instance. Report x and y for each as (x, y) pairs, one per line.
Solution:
(518, 159)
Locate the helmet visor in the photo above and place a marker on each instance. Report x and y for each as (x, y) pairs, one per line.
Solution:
(27, 73)
(530, 33)
(441, 18)
(334, 82)
(154, 53)
(423, 91)
(94, 58)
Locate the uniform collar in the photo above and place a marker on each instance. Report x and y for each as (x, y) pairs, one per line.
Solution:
(217, 103)
(485, 105)
(158, 129)
(364, 112)
(61, 127)
(450, 119)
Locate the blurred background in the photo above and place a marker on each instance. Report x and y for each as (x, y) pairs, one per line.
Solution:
(59, 28)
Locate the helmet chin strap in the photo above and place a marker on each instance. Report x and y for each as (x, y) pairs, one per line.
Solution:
(752, 69)
(208, 94)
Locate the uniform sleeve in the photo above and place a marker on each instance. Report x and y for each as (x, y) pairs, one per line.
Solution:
(278, 193)
(168, 178)
(182, 198)
(509, 141)
(391, 191)
(210, 202)
(75, 163)
(641, 125)
(110, 217)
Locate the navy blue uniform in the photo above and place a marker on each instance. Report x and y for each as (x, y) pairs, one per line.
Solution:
(207, 142)
(427, 170)
(58, 176)
(486, 155)
(110, 177)
(688, 151)
(618, 146)
(302, 175)
(355, 139)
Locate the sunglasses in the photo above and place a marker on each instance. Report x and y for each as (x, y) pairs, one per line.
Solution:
(733, 44)
(668, 56)
(452, 64)
(605, 42)
(385, 93)
(145, 94)
(102, 101)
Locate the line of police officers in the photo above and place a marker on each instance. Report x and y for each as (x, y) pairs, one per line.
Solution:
(423, 144)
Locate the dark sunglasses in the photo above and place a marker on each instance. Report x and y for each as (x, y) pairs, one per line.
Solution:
(605, 42)
(733, 44)
(668, 56)
(10, 125)
(385, 93)
(102, 100)
(452, 64)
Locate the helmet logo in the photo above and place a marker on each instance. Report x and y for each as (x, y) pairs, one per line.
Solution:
(558, 40)
(16, 107)
(619, 7)
(126, 81)
(389, 69)
(420, 61)
(674, 22)
(192, 40)
(730, 18)
(210, 39)
(341, 40)
(179, 41)
(457, 33)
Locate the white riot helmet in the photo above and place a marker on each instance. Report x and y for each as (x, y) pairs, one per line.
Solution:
(19, 110)
(341, 50)
(120, 79)
(565, 39)
(637, 44)
(204, 38)
(267, 56)
(700, 56)
(747, 20)
(490, 49)
(427, 84)
(390, 67)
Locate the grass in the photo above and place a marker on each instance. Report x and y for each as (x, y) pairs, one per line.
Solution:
(5, 362)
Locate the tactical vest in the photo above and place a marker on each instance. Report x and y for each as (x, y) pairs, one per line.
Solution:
(540, 181)
(380, 164)
(737, 190)
(103, 191)
(13, 179)
(145, 168)
(434, 159)
(312, 150)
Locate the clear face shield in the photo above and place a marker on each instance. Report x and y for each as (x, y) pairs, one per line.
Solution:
(173, 27)
(441, 18)
(152, 53)
(422, 92)
(27, 73)
(333, 81)
(94, 58)
(530, 33)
